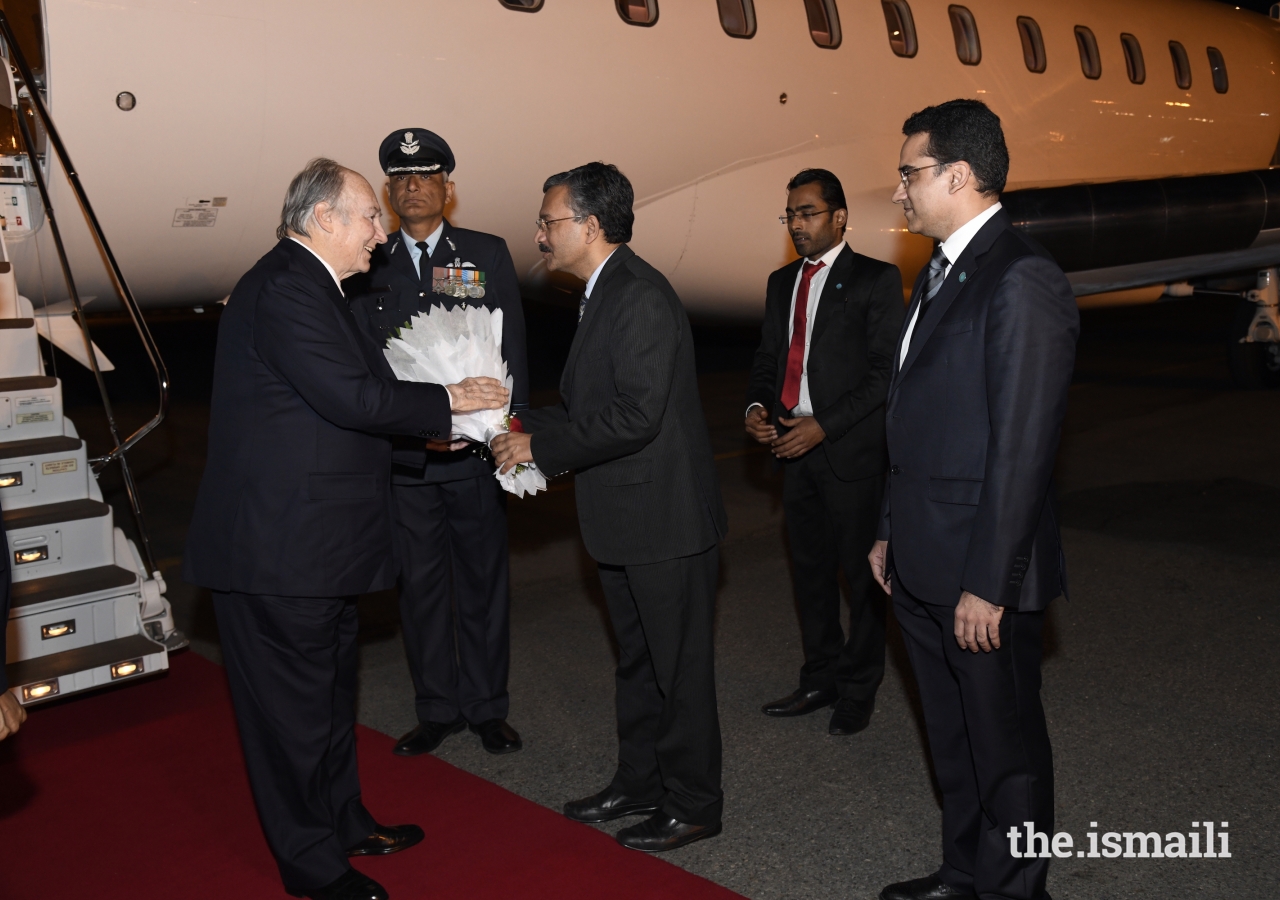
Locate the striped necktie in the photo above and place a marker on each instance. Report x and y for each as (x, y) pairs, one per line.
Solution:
(933, 279)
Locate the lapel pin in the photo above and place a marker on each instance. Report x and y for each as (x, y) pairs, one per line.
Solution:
(838, 286)
(962, 277)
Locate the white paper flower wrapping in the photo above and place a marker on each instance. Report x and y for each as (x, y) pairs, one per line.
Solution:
(444, 346)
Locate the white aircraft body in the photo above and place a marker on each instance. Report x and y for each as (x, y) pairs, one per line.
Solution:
(232, 97)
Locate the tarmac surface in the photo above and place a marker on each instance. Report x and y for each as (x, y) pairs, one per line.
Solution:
(1159, 679)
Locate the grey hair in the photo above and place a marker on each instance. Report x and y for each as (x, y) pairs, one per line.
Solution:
(321, 181)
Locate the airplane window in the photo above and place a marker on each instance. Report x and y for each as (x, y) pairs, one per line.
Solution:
(1181, 65)
(1218, 66)
(522, 5)
(1133, 62)
(1032, 43)
(1090, 61)
(738, 17)
(824, 22)
(638, 12)
(965, 29)
(902, 28)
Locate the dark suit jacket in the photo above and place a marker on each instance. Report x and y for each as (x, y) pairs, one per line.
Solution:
(631, 425)
(384, 298)
(974, 417)
(295, 499)
(850, 357)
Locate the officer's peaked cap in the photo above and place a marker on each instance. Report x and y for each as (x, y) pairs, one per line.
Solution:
(412, 151)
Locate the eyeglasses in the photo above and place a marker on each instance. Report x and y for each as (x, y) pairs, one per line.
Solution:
(906, 172)
(804, 216)
(543, 223)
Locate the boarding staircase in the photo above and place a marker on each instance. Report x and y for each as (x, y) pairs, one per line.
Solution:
(84, 612)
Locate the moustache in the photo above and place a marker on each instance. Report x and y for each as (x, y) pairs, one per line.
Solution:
(543, 248)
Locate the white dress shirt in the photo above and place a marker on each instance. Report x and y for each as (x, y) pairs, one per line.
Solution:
(952, 247)
(804, 407)
(412, 246)
(591, 282)
(328, 267)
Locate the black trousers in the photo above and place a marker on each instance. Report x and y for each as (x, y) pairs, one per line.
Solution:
(668, 725)
(455, 597)
(989, 742)
(831, 525)
(291, 663)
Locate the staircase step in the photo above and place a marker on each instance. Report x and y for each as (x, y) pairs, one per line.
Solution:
(54, 513)
(30, 407)
(43, 478)
(19, 349)
(37, 447)
(83, 660)
(70, 584)
(28, 383)
(59, 537)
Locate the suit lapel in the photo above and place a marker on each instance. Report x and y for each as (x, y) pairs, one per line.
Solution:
(398, 253)
(445, 252)
(834, 293)
(963, 268)
(589, 316)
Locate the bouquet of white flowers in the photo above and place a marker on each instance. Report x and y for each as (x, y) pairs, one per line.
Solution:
(444, 347)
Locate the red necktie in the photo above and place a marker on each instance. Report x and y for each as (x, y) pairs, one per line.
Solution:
(795, 356)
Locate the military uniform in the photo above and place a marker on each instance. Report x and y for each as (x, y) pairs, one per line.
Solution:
(451, 511)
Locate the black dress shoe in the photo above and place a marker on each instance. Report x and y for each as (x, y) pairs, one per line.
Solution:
(850, 717)
(661, 833)
(387, 839)
(497, 736)
(427, 736)
(929, 888)
(800, 703)
(608, 805)
(350, 885)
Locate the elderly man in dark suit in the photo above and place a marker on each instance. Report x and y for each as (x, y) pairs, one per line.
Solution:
(294, 519)
(816, 398)
(451, 513)
(969, 545)
(630, 425)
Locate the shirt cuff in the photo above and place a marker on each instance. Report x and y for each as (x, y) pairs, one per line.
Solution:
(751, 407)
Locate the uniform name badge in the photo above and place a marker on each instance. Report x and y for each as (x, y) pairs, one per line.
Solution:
(463, 282)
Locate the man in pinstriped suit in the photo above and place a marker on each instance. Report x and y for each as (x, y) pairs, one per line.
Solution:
(630, 425)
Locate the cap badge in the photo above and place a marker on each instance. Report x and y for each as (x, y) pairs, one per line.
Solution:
(410, 146)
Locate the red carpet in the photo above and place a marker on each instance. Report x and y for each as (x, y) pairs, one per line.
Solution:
(140, 792)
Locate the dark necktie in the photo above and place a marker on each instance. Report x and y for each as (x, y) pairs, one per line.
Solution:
(795, 355)
(933, 279)
(425, 258)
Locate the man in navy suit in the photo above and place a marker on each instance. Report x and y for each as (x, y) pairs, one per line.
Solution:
(968, 543)
(294, 520)
(451, 513)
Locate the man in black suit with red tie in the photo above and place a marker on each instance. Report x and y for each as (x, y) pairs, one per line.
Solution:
(293, 521)
(816, 398)
(451, 513)
(968, 544)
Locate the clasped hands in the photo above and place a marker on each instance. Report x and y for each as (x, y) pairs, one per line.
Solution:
(977, 622)
(469, 395)
(805, 433)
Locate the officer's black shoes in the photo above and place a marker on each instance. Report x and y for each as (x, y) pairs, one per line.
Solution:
(350, 885)
(608, 805)
(800, 703)
(661, 833)
(497, 736)
(426, 737)
(929, 888)
(387, 839)
(850, 717)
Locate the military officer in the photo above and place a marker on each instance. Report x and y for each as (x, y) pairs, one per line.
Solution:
(451, 518)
